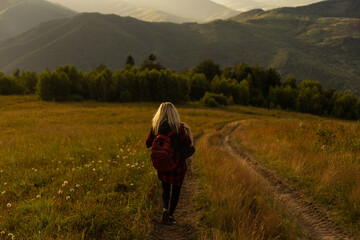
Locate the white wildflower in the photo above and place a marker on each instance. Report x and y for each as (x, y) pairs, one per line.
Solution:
(71, 189)
(9, 205)
(77, 185)
(3, 192)
(60, 191)
(38, 196)
(100, 180)
(67, 198)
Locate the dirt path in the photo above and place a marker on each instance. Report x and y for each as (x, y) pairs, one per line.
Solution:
(313, 220)
(185, 214)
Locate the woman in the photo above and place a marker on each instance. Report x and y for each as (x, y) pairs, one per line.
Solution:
(165, 121)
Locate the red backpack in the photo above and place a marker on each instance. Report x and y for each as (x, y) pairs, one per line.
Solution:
(162, 154)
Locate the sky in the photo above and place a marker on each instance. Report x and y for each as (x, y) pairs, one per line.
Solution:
(241, 5)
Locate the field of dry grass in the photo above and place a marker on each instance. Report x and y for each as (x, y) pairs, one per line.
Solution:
(319, 156)
(81, 170)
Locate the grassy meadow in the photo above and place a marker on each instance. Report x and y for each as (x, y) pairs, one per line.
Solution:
(82, 171)
(319, 156)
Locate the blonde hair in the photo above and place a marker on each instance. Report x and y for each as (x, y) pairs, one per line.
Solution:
(166, 111)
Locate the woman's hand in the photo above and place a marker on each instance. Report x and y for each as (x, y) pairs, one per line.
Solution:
(189, 133)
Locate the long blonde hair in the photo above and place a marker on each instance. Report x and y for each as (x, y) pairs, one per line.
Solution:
(166, 111)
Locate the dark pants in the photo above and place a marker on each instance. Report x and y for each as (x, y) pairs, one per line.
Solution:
(174, 199)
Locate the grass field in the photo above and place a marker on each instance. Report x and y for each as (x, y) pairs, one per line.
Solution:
(317, 155)
(81, 170)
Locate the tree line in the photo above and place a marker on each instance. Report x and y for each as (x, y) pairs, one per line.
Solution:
(207, 82)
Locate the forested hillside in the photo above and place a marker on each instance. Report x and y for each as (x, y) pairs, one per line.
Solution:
(17, 16)
(290, 40)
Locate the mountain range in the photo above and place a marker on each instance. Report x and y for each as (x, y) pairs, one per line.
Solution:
(17, 16)
(247, 5)
(320, 41)
(177, 11)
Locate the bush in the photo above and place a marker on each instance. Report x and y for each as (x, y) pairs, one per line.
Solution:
(214, 100)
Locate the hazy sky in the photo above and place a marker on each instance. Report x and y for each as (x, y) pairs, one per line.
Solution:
(242, 5)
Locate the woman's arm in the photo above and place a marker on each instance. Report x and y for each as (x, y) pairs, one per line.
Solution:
(189, 133)
(150, 139)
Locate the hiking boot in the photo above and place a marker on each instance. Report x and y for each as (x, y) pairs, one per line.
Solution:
(165, 218)
(172, 219)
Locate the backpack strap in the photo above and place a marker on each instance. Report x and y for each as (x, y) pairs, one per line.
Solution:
(171, 133)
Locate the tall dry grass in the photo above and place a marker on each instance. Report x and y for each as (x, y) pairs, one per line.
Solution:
(81, 170)
(320, 156)
(235, 202)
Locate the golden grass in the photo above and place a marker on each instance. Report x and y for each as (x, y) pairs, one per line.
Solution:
(237, 205)
(319, 156)
(81, 170)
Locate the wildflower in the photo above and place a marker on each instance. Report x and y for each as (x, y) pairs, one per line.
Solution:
(138, 167)
(109, 161)
(88, 193)
(92, 161)
(77, 185)
(323, 147)
(38, 196)
(60, 191)
(35, 170)
(2, 233)
(128, 165)
(57, 169)
(136, 164)
(117, 156)
(9, 205)
(1, 171)
(67, 198)
(100, 148)
(3, 192)
(100, 161)
(132, 166)
(5, 183)
(65, 183)
(94, 169)
(59, 162)
(131, 184)
(100, 180)
(121, 150)
(82, 155)
(71, 190)
(142, 166)
(128, 149)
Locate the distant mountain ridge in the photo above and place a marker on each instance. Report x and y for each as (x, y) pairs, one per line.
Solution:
(328, 8)
(319, 48)
(177, 11)
(17, 16)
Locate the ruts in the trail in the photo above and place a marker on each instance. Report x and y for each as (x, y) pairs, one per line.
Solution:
(313, 220)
